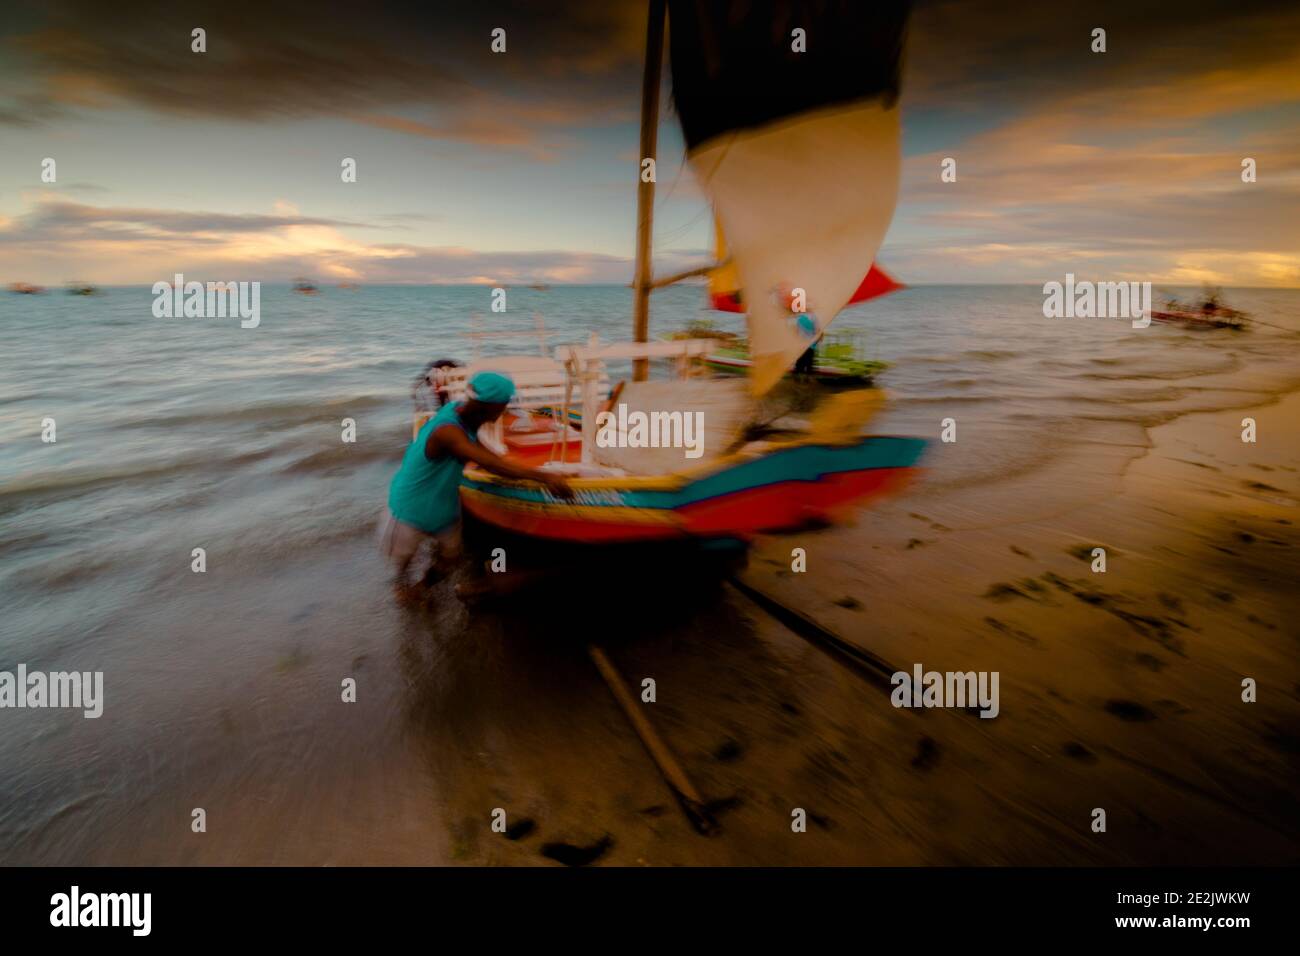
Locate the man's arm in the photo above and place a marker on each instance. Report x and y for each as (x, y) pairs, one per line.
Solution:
(452, 440)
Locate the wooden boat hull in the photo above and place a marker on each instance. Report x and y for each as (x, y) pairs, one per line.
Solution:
(782, 489)
(1199, 320)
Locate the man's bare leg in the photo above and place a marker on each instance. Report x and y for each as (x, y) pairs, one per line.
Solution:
(408, 592)
(405, 591)
(500, 584)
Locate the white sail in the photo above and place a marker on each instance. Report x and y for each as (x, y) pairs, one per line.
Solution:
(804, 204)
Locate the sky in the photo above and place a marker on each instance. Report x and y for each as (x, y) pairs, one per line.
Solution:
(483, 167)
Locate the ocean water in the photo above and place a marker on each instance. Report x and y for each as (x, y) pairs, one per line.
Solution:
(174, 434)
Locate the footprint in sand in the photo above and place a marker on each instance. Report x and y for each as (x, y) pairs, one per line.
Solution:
(1084, 551)
(721, 805)
(927, 754)
(1076, 750)
(1129, 710)
(729, 751)
(520, 829)
(1150, 662)
(571, 855)
(1270, 494)
(1260, 486)
(1026, 588)
(1013, 632)
(1156, 628)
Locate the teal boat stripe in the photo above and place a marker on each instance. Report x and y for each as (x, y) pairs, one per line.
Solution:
(805, 463)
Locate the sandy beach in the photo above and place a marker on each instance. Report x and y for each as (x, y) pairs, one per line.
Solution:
(1120, 690)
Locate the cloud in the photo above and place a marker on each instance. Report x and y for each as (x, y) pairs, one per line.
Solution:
(1130, 168)
(1128, 160)
(965, 55)
(482, 131)
(118, 245)
(58, 220)
(298, 59)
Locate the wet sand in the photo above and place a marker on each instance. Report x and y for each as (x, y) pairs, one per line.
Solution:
(1120, 690)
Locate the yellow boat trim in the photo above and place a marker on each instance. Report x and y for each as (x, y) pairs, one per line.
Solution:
(613, 513)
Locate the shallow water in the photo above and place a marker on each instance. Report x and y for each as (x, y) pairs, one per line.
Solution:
(222, 689)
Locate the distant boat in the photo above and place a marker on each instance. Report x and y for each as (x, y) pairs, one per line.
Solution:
(305, 287)
(80, 288)
(539, 286)
(1218, 319)
(349, 286)
(25, 288)
(1209, 314)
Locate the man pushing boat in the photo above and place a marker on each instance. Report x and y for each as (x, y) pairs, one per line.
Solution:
(424, 496)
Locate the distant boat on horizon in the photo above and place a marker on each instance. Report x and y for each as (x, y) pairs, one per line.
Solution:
(25, 288)
(1208, 312)
(305, 287)
(82, 288)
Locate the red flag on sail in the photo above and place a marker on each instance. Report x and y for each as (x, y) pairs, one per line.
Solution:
(877, 282)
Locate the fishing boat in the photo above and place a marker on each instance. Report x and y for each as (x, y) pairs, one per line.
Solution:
(82, 288)
(1218, 319)
(800, 159)
(305, 287)
(25, 288)
(1208, 314)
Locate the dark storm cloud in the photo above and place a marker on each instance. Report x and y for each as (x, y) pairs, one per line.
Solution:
(296, 58)
(994, 54)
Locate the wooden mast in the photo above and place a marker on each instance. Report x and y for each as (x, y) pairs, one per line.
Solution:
(645, 195)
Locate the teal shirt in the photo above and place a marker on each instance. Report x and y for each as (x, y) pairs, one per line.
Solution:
(424, 493)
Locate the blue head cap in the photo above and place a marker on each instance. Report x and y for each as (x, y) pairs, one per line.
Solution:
(492, 387)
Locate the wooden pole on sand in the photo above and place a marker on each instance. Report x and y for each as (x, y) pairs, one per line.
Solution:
(689, 798)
